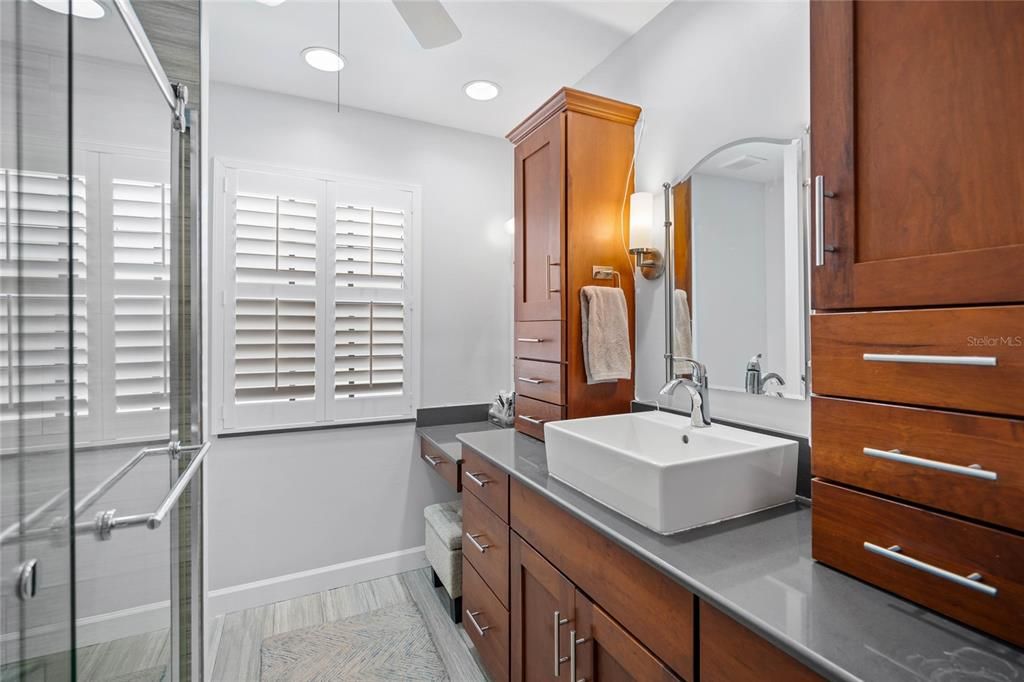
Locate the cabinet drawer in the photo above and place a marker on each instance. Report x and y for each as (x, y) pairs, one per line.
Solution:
(485, 544)
(924, 556)
(853, 443)
(531, 415)
(961, 358)
(486, 481)
(539, 340)
(443, 465)
(729, 652)
(540, 380)
(486, 622)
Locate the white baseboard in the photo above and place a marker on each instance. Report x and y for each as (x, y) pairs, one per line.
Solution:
(291, 585)
(105, 627)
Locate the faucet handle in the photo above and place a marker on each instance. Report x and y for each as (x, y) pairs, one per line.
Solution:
(700, 372)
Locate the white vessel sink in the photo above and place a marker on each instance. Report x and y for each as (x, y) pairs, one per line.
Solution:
(658, 470)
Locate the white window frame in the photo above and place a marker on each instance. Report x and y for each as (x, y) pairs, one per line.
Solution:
(327, 410)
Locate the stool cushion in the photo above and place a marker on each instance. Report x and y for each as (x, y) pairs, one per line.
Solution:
(445, 519)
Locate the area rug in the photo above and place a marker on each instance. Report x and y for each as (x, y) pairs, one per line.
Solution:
(379, 646)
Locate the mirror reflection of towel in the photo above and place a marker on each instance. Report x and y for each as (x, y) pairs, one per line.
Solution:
(682, 338)
(606, 352)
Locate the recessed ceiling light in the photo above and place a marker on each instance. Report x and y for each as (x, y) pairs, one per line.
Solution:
(481, 90)
(323, 58)
(84, 9)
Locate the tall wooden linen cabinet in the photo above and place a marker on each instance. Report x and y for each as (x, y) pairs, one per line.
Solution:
(573, 159)
(917, 341)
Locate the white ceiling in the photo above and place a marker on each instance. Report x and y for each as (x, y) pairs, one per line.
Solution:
(769, 170)
(529, 48)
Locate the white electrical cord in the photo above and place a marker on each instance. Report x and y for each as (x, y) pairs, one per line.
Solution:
(630, 175)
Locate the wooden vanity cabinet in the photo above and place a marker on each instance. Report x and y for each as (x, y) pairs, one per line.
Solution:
(916, 344)
(572, 174)
(914, 108)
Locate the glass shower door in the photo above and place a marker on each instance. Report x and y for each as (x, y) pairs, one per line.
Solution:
(42, 210)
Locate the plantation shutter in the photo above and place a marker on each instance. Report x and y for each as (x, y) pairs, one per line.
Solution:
(43, 242)
(141, 299)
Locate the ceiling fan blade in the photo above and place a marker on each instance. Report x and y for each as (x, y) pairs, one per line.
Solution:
(429, 21)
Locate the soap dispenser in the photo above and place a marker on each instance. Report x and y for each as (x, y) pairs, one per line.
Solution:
(752, 381)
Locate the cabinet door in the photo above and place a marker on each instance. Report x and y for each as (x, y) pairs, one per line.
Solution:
(542, 612)
(604, 652)
(914, 108)
(540, 222)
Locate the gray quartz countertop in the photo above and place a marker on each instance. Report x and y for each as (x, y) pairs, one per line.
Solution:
(759, 570)
(444, 436)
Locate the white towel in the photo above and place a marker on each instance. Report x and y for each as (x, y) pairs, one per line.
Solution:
(682, 336)
(606, 351)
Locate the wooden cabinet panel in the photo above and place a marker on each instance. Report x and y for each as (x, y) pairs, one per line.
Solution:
(531, 415)
(649, 604)
(539, 340)
(851, 531)
(543, 602)
(486, 622)
(540, 380)
(540, 222)
(928, 345)
(486, 481)
(843, 429)
(442, 464)
(910, 107)
(485, 544)
(730, 652)
(605, 652)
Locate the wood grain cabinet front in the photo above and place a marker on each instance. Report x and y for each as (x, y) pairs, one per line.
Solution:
(485, 544)
(486, 482)
(539, 340)
(729, 652)
(959, 463)
(486, 622)
(964, 570)
(920, 182)
(443, 465)
(958, 358)
(532, 415)
(540, 380)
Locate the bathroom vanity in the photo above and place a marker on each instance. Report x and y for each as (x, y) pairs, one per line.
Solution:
(556, 583)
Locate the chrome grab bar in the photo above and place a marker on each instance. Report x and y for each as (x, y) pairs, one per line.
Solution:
(472, 619)
(179, 486)
(895, 552)
(973, 360)
(974, 470)
(531, 380)
(473, 539)
(475, 478)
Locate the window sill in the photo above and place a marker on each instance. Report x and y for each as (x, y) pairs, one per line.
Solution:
(298, 428)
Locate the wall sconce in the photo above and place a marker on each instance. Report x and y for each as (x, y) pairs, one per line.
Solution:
(649, 260)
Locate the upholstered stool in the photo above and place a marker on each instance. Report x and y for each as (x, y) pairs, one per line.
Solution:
(444, 551)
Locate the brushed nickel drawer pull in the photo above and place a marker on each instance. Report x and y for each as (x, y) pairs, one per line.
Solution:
(972, 360)
(476, 478)
(472, 619)
(819, 220)
(531, 340)
(433, 461)
(473, 539)
(557, 622)
(971, 582)
(532, 381)
(532, 420)
(974, 470)
(573, 643)
(548, 262)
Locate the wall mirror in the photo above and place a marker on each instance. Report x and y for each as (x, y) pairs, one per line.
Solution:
(737, 297)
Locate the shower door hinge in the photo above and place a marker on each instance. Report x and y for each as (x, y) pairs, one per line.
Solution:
(28, 579)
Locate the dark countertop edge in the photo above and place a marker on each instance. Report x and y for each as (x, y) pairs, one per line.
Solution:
(813, 660)
(427, 433)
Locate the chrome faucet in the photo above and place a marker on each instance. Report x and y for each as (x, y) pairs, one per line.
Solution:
(697, 387)
(755, 382)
